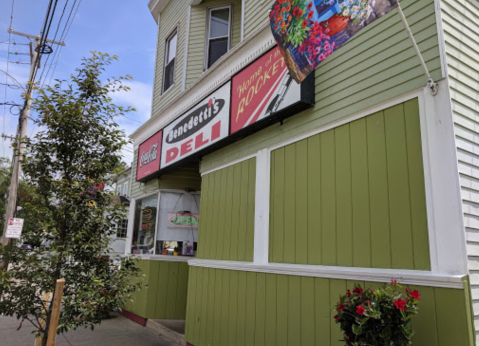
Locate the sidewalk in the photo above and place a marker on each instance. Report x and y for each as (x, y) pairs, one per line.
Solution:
(117, 331)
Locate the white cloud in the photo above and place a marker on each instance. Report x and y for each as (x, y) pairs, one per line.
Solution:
(139, 97)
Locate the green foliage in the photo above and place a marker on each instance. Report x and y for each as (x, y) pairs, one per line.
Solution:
(380, 318)
(68, 162)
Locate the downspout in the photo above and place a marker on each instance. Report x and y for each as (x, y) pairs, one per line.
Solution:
(243, 4)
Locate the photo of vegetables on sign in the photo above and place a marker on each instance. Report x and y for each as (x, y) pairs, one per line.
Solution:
(308, 31)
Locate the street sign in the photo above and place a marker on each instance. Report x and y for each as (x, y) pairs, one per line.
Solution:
(14, 228)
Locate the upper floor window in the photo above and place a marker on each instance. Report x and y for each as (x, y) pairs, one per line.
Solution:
(125, 190)
(118, 189)
(218, 34)
(170, 57)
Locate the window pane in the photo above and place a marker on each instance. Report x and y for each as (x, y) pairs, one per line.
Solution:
(145, 225)
(169, 75)
(125, 190)
(178, 224)
(217, 49)
(219, 23)
(171, 49)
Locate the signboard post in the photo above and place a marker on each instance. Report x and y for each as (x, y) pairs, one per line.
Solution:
(14, 228)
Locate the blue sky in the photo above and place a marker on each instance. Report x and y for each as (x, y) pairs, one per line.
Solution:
(122, 27)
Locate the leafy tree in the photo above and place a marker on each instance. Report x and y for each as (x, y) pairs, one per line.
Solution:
(68, 162)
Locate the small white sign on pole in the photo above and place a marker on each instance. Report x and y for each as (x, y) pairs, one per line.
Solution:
(14, 228)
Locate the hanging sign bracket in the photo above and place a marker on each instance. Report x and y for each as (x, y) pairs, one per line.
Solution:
(434, 86)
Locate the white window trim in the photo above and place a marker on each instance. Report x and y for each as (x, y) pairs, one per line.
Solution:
(174, 32)
(207, 34)
(443, 199)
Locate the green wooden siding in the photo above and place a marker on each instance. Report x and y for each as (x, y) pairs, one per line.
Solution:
(164, 290)
(461, 34)
(353, 195)
(246, 308)
(256, 15)
(376, 65)
(226, 230)
(196, 44)
(184, 177)
(174, 15)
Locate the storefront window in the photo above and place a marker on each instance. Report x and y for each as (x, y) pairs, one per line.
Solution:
(177, 233)
(145, 225)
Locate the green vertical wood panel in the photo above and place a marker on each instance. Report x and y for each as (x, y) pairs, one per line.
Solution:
(210, 313)
(203, 226)
(251, 210)
(235, 216)
(417, 188)
(301, 199)
(191, 306)
(233, 308)
(207, 217)
(250, 318)
(221, 208)
(360, 194)
(328, 199)
(162, 290)
(378, 192)
(199, 302)
(215, 217)
(277, 219)
(323, 308)
(289, 249)
(202, 335)
(225, 307)
(425, 324)
(243, 226)
(399, 197)
(218, 316)
(337, 287)
(181, 296)
(344, 221)
(260, 315)
(282, 310)
(452, 303)
(153, 274)
(271, 311)
(294, 310)
(228, 212)
(241, 325)
(314, 201)
(307, 297)
(172, 288)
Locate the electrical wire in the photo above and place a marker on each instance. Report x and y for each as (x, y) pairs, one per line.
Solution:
(7, 74)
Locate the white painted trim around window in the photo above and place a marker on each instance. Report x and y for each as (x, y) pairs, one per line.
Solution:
(207, 33)
(406, 277)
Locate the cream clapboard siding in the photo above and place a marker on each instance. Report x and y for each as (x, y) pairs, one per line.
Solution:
(461, 32)
(376, 65)
(174, 15)
(185, 177)
(196, 45)
(256, 15)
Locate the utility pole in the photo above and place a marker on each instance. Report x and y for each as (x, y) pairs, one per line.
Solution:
(22, 126)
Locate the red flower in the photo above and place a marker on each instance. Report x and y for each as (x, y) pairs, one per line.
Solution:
(349, 293)
(360, 310)
(394, 282)
(337, 317)
(310, 5)
(415, 295)
(297, 12)
(310, 15)
(305, 24)
(358, 291)
(341, 307)
(400, 304)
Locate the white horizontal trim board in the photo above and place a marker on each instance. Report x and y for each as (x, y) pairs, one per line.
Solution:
(406, 277)
(163, 258)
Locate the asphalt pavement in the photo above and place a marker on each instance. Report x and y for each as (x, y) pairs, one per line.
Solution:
(116, 331)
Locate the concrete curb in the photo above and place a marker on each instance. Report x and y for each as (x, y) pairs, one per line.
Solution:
(167, 333)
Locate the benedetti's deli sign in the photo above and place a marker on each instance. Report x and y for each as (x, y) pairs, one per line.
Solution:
(256, 97)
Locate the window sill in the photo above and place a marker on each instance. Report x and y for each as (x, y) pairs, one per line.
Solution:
(164, 258)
